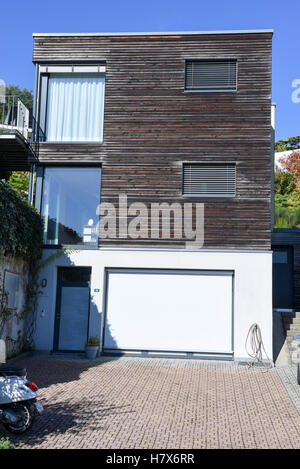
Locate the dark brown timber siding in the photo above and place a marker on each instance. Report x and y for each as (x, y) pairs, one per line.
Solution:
(290, 237)
(151, 126)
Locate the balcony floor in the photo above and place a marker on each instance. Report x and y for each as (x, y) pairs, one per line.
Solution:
(14, 152)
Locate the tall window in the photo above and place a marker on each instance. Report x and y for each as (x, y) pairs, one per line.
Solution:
(72, 106)
(71, 197)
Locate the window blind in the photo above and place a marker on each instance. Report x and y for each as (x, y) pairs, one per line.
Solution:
(211, 75)
(209, 180)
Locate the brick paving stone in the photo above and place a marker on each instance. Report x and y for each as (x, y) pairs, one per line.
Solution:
(158, 403)
(288, 375)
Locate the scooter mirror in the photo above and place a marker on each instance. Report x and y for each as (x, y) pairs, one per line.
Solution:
(2, 351)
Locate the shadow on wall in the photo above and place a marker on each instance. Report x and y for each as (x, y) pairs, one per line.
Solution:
(68, 366)
(72, 300)
(280, 349)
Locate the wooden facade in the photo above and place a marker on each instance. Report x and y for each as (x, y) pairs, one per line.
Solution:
(290, 238)
(152, 126)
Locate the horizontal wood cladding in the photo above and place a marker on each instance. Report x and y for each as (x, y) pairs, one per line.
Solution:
(152, 126)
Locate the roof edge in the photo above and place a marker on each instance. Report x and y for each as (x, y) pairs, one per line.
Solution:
(157, 33)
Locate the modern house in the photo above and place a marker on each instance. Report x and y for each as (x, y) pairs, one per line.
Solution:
(155, 170)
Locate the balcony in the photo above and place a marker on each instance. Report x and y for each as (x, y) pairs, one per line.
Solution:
(17, 149)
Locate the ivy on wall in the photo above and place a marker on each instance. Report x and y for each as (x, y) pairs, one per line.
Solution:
(21, 237)
(21, 227)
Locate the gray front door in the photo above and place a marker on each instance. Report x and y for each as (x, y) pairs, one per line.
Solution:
(72, 309)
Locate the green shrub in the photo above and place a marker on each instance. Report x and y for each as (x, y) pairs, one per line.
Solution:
(21, 227)
(5, 443)
(286, 218)
(284, 183)
(93, 341)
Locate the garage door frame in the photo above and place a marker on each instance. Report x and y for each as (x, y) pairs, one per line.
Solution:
(158, 353)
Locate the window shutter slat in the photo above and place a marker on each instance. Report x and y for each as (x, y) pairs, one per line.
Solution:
(209, 180)
(210, 75)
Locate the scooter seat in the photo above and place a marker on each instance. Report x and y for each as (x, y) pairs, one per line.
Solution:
(12, 371)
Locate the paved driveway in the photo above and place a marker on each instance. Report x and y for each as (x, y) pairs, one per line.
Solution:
(159, 403)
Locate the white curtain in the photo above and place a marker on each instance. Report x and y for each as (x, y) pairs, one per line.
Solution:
(75, 108)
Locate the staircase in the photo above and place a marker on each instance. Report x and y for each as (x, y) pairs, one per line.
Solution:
(291, 324)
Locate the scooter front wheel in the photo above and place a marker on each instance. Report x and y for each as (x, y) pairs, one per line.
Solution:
(26, 413)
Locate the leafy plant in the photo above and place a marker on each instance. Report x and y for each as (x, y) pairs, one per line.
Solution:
(93, 341)
(21, 236)
(287, 192)
(292, 165)
(25, 95)
(292, 143)
(19, 180)
(21, 227)
(285, 218)
(5, 443)
(284, 182)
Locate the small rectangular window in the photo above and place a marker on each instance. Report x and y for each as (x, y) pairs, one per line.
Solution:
(209, 179)
(11, 287)
(211, 75)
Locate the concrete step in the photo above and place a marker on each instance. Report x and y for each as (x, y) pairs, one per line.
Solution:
(291, 315)
(291, 336)
(291, 324)
(292, 321)
(292, 331)
(293, 328)
(292, 343)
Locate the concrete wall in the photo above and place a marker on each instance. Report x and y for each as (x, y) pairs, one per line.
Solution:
(252, 286)
(14, 328)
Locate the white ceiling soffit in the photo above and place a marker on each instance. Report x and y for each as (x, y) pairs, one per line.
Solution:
(157, 33)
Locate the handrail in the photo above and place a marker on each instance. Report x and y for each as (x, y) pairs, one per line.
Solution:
(15, 119)
(14, 115)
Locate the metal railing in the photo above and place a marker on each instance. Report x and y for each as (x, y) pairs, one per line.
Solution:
(37, 133)
(14, 116)
(37, 136)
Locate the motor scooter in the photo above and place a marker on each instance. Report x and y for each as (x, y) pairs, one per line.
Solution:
(18, 399)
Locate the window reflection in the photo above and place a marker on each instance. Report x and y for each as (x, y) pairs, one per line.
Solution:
(70, 200)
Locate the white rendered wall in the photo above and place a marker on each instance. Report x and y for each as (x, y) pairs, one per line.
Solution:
(252, 286)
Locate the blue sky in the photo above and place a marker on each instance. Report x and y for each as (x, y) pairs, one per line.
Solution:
(20, 21)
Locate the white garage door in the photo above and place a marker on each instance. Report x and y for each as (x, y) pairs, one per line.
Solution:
(168, 311)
